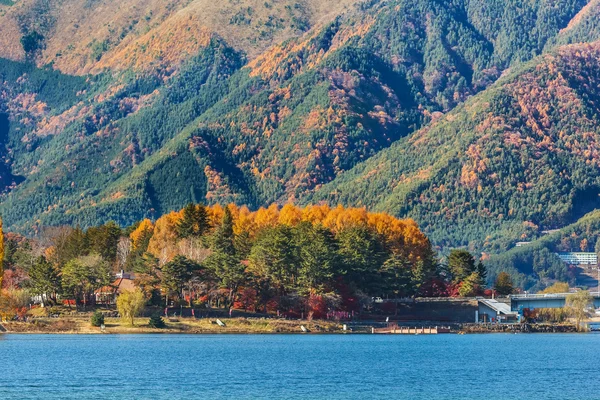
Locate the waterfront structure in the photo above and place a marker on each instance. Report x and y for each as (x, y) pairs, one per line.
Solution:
(520, 302)
(492, 310)
(579, 258)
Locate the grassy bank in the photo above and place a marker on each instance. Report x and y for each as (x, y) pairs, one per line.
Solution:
(74, 325)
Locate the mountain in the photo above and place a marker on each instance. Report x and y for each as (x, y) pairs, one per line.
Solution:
(452, 112)
(79, 37)
(520, 158)
(582, 28)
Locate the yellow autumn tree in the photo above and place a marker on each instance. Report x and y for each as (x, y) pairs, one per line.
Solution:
(215, 214)
(163, 244)
(340, 218)
(267, 217)
(315, 214)
(290, 215)
(142, 230)
(244, 222)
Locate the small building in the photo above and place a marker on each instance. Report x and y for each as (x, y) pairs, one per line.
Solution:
(579, 258)
(492, 310)
(108, 294)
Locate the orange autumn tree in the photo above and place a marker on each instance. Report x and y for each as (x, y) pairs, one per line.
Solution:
(244, 221)
(146, 227)
(402, 236)
(315, 213)
(290, 215)
(163, 244)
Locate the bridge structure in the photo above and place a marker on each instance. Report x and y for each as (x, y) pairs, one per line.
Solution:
(552, 300)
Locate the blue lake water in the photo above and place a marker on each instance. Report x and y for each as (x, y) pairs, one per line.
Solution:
(494, 366)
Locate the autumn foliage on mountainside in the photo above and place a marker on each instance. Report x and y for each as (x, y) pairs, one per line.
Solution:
(182, 113)
(192, 101)
(517, 160)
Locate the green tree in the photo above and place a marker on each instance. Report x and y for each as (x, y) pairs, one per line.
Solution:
(470, 286)
(482, 271)
(274, 258)
(461, 264)
(194, 222)
(362, 255)
(70, 244)
(44, 279)
(32, 42)
(223, 238)
(396, 277)
(156, 322)
(504, 284)
(103, 240)
(243, 244)
(83, 275)
(318, 257)
(97, 318)
(175, 274)
(130, 304)
(148, 277)
(224, 261)
(423, 272)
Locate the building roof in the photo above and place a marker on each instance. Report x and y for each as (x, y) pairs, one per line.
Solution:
(499, 307)
(118, 286)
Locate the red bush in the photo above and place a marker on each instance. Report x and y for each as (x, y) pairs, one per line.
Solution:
(434, 288)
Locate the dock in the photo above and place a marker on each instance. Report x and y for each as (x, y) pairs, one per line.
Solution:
(405, 330)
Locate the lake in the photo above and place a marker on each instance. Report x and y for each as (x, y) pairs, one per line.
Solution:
(493, 366)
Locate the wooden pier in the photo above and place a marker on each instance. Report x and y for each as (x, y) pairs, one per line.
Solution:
(405, 330)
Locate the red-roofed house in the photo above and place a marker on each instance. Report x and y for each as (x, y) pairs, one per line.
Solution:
(108, 294)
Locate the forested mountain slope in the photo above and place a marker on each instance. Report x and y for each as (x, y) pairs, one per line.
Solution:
(517, 159)
(82, 36)
(583, 27)
(157, 104)
(535, 265)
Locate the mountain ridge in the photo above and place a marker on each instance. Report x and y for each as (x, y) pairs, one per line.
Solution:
(382, 103)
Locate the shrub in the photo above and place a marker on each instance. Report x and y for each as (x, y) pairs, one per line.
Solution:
(156, 321)
(97, 318)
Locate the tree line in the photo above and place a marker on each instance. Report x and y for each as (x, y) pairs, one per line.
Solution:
(288, 260)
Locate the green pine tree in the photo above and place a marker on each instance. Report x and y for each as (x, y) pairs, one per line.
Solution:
(44, 279)
(225, 261)
(461, 264)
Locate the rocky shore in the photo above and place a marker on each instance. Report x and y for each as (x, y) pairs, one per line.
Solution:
(517, 328)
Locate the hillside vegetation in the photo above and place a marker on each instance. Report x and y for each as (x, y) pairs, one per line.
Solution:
(518, 159)
(79, 37)
(450, 112)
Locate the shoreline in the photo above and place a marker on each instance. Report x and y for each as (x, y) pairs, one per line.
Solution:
(259, 326)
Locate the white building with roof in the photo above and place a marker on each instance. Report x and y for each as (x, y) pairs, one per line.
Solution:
(492, 310)
(579, 258)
